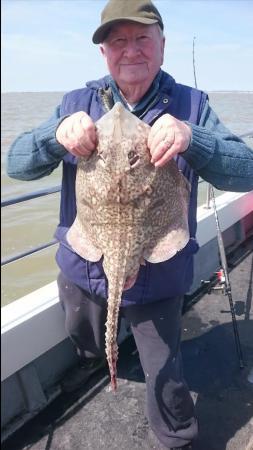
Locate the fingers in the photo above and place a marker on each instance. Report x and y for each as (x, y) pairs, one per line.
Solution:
(77, 134)
(164, 155)
(168, 137)
(161, 144)
(82, 136)
(161, 138)
(88, 132)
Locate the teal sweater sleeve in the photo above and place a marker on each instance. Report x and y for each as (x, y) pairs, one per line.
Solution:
(218, 156)
(36, 153)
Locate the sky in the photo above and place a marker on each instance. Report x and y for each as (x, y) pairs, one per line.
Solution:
(47, 46)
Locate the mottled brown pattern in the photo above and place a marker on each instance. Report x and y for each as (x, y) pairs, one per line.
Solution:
(127, 210)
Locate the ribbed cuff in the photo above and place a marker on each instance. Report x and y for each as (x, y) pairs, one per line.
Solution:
(201, 148)
(49, 137)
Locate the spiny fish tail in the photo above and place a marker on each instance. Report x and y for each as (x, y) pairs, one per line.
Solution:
(111, 349)
(116, 281)
(112, 364)
(114, 383)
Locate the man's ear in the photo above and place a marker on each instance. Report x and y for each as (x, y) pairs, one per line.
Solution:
(102, 49)
(162, 49)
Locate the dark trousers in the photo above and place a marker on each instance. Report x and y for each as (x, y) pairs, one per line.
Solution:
(156, 328)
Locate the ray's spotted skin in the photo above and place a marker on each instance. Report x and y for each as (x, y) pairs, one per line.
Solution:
(127, 210)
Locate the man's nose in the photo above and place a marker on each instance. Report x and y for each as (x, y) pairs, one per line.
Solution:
(132, 48)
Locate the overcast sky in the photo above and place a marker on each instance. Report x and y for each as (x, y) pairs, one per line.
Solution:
(46, 44)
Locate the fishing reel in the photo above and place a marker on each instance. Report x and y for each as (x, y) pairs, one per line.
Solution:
(218, 285)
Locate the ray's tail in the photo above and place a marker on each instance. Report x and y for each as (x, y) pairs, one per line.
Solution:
(116, 281)
(111, 346)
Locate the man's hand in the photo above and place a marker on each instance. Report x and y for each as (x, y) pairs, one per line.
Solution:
(77, 133)
(168, 137)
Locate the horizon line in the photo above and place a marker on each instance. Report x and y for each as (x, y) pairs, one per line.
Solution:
(68, 90)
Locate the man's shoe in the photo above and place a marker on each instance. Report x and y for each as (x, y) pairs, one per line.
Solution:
(77, 377)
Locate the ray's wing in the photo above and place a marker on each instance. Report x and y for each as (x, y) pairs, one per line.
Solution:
(81, 243)
(167, 214)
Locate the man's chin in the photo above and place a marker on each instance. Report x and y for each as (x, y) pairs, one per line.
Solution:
(134, 79)
(134, 74)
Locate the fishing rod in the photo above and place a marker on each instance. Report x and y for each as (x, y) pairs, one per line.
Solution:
(223, 276)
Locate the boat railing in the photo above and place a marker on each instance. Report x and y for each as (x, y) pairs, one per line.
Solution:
(21, 199)
(56, 189)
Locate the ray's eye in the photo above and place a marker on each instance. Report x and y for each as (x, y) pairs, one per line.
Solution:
(133, 157)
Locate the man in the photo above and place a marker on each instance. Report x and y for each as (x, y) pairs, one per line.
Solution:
(184, 127)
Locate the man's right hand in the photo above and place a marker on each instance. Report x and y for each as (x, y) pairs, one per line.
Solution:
(77, 133)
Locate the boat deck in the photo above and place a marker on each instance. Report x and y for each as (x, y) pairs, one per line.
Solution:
(96, 419)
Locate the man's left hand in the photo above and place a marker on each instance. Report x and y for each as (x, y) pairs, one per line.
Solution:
(168, 137)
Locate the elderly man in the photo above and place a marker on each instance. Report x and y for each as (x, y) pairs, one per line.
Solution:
(184, 127)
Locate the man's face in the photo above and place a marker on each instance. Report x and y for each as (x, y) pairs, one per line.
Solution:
(134, 53)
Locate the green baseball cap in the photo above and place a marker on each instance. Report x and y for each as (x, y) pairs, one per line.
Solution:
(141, 11)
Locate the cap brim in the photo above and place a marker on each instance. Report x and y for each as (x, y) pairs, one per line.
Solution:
(102, 31)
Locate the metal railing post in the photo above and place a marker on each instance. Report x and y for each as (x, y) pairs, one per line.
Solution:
(208, 196)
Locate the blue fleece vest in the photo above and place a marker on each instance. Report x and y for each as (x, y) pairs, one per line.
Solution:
(155, 281)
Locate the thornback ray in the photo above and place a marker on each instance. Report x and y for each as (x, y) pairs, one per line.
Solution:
(127, 211)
